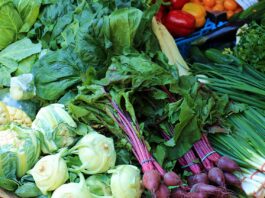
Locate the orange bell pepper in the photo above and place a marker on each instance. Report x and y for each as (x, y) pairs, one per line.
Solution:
(198, 11)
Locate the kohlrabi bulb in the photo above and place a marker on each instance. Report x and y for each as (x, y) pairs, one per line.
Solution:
(126, 182)
(96, 152)
(50, 172)
(73, 190)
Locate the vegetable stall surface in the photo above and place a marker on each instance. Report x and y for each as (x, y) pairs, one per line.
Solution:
(96, 101)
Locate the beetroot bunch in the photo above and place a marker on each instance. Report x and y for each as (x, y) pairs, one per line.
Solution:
(212, 173)
(155, 178)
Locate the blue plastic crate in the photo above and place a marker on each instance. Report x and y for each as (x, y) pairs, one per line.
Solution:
(184, 42)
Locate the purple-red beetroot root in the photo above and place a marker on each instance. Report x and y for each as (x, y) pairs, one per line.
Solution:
(199, 178)
(227, 164)
(162, 191)
(196, 195)
(216, 176)
(232, 180)
(151, 180)
(210, 190)
(172, 179)
(179, 193)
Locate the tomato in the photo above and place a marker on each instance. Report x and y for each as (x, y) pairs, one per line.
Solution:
(178, 4)
(179, 23)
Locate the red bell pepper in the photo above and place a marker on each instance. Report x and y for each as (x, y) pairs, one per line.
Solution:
(179, 23)
(178, 4)
(161, 13)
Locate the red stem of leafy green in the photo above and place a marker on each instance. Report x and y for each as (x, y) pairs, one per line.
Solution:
(139, 147)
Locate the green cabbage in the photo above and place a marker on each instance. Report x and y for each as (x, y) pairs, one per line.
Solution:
(56, 126)
(19, 151)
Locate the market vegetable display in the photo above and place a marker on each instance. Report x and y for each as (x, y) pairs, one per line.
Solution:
(97, 101)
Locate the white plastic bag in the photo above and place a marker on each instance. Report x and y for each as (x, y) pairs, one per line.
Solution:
(22, 87)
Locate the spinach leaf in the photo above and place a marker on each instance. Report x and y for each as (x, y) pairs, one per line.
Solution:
(56, 72)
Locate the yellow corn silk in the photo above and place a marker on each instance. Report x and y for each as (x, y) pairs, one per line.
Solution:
(11, 114)
(4, 114)
(19, 116)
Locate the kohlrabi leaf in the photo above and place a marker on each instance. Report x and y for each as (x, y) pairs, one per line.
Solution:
(28, 189)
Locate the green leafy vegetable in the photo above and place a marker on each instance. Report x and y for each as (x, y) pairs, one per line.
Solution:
(28, 189)
(99, 184)
(11, 56)
(10, 23)
(65, 69)
(28, 11)
(250, 46)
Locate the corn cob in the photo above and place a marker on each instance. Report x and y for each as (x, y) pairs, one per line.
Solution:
(169, 47)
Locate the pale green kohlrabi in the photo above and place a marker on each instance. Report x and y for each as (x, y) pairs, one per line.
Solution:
(50, 172)
(10, 23)
(126, 182)
(99, 185)
(96, 152)
(73, 190)
(56, 126)
(19, 145)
